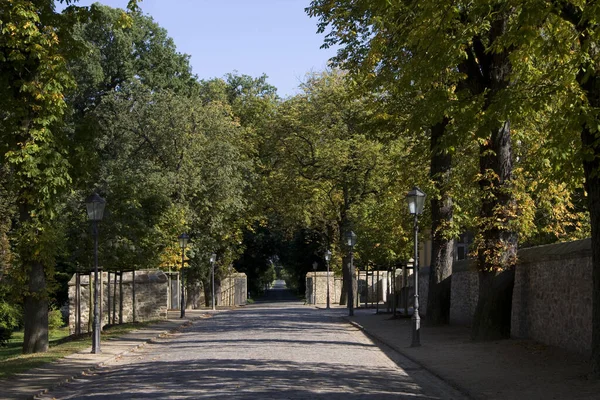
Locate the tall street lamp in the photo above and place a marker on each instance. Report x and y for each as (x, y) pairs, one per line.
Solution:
(351, 242)
(416, 201)
(213, 259)
(183, 242)
(315, 265)
(95, 210)
(327, 259)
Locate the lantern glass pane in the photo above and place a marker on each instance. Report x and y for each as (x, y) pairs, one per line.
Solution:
(416, 200)
(183, 240)
(412, 205)
(95, 207)
(420, 204)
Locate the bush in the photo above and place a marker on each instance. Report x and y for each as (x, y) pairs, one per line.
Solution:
(55, 319)
(9, 320)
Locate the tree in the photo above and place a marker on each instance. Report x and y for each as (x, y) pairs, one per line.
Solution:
(577, 35)
(34, 77)
(251, 102)
(383, 57)
(457, 60)
(326, 162)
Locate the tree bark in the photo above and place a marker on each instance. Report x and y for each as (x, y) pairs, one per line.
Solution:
(348, 283)
(35, 305)
(497, 247)
(207, 293)
(345, 280)
(36, 312)
(592, 184)
(440, 273)
(591, 167)
(493, 312)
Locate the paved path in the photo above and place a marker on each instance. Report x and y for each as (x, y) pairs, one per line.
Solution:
(269, 351)
(26, 384)
(496, 370)
(282, 349)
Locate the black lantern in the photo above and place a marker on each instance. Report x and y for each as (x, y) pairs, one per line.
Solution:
(350, 239)
(183, 240)
(95, 207)
(416, 201)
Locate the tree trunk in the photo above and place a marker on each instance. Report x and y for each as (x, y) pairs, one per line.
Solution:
(497, 242)
(591, 166)
(36, 312)
(344, 292)
(343, 226)
(35, 306)
(207, 293)
(493, 312)
(588, 77)
(592, 184)
(440, 273)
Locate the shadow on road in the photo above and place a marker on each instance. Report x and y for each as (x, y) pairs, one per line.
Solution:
(244, 379)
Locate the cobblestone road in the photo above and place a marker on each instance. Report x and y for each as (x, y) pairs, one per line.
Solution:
(278, 351)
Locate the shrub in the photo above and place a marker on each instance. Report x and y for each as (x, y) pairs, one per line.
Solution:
(55, 319)
(9, 320)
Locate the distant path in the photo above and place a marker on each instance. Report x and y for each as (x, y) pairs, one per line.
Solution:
(268, 351)
(278, 293)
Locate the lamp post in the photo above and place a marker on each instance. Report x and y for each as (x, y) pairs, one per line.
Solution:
(327, 259)
(416, 201)
(315, 265)
(183, 241)
(351, 242)
(213, 259)
(95, 210)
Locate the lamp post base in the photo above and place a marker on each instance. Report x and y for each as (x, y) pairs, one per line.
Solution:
(416, 333)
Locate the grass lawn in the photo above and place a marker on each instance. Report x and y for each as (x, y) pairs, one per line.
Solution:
(61, 344)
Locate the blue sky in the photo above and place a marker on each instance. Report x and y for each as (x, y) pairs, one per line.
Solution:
(274, 37)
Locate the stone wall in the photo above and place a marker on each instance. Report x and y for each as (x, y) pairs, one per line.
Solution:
(229, 291)
(155, 291)
(464, 292)
(552, 296)
(233, 290)
(316, 288)
(373, 286)
(150, 294)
